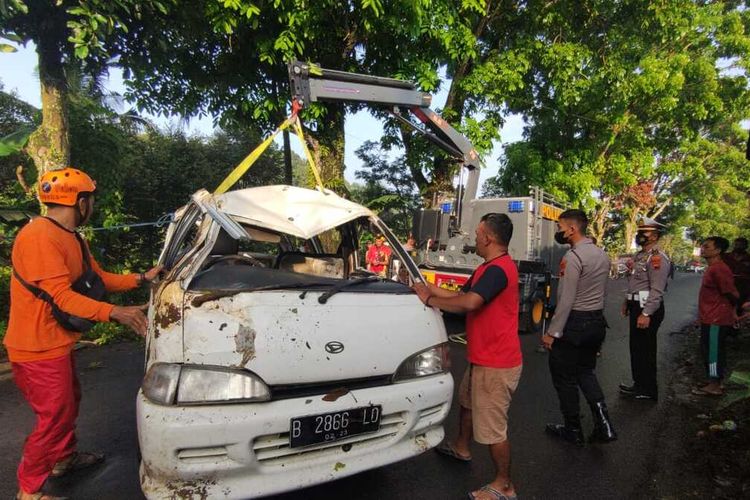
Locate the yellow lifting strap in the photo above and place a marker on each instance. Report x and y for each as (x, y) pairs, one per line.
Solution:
(245, 164)
(310, 161)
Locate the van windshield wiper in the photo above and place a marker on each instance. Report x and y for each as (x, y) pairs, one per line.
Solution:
(337, 288)
(218, 294)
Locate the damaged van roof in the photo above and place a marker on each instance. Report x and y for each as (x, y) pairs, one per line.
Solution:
(292, 210)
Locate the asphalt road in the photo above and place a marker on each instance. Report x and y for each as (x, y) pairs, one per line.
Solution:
(542, 467)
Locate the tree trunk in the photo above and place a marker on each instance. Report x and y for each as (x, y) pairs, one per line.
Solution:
(415, 168)
(600, 222)
(49, 145)
(327, 145)
(630, 227)
(441, 182)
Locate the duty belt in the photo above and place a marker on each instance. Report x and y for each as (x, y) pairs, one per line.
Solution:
(583, 314)
(632, 296)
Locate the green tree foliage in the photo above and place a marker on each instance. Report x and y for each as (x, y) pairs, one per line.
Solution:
(718, 201)
(388, 188)
(14, 180)
(14, 112)
(15, 116)
(627, 97)
(228, 59)
(66, 32)
(142, 174)
(480, 45)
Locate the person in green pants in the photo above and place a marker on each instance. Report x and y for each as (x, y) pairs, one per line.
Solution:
(717, 302)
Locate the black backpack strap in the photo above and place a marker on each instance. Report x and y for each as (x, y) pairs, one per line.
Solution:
(84, 250)
(36, 291)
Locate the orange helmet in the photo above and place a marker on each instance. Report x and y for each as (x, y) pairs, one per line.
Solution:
(63, 186)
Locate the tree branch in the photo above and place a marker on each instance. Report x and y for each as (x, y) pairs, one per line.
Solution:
(463, 68)
(414, 168)
(660, 207)
(21, 180)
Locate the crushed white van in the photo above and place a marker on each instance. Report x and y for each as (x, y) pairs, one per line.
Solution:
(274, 359)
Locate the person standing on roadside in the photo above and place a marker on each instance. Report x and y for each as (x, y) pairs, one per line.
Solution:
(644, 303)
(577, 330)
(717, 303)
(490, 300)
(50, 262)
(378, 256)
(738, 261)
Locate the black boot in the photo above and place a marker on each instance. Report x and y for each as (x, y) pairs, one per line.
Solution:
(603, 431)
(569, 431)
(628, 390)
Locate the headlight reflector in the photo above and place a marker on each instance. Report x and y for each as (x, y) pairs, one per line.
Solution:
(160, 383)
(198, 385)
(431, 361)
(170, 384)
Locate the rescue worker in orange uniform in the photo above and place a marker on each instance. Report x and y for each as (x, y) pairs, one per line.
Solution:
(48, 259)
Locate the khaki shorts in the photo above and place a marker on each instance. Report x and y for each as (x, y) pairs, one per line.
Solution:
(487, 393)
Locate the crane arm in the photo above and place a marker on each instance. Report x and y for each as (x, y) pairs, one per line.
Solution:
(311, 83)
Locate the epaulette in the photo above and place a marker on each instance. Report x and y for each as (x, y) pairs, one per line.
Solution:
(655, 260)
(656, 257)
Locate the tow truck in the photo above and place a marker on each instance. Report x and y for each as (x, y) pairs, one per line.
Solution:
(446, 254)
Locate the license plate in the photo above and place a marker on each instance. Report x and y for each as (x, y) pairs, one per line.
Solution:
(328, 427)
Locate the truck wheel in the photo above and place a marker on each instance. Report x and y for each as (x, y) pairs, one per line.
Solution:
(536, 315)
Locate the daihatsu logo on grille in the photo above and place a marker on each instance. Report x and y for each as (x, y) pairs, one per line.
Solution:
(334, 347)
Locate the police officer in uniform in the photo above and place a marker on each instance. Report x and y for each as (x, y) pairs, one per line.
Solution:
(645, 305)
(577, 330)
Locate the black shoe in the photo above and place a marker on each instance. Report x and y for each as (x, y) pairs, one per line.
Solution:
(568, 433)
(645, 397)
(627, 389)
(603, 431)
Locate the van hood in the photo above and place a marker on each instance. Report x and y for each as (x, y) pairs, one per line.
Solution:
(288, 337)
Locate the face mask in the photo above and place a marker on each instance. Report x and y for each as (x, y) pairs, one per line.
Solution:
(561, 238)
(641, 239)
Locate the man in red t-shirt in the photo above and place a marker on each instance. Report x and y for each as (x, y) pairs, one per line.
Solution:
(738, 261)
(717, 301)
(378, 255)
(490, 301)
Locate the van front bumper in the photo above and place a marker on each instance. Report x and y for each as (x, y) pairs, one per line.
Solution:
(242, 450)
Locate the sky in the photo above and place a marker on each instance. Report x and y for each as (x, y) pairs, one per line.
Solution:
(18, 73)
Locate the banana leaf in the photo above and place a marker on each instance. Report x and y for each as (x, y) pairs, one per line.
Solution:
(15, 142)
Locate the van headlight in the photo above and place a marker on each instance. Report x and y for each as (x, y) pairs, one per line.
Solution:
(431, 361)
(173, 384)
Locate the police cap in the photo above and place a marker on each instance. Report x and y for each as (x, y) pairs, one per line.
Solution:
(649, 224)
